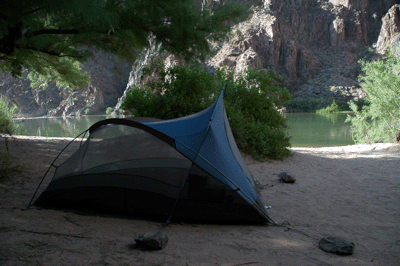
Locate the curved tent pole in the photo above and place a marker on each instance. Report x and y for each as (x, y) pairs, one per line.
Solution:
(52, 164)
(190, 169)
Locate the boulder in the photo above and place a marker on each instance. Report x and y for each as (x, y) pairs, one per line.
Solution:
(286, 177)
(156, 240)
(339, 245)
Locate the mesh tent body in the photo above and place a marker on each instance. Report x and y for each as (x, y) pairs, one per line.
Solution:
(184, 168)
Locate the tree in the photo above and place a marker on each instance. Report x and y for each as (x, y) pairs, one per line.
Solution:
(52, 38)
(379, 121)
(251, 101)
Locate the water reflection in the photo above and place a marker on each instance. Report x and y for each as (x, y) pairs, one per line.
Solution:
(333, 117)
(312, 130)
(306, 129)
(56, 126)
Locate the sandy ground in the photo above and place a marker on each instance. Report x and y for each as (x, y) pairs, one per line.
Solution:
(351, 191)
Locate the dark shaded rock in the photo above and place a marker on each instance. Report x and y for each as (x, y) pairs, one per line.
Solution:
(109, 77)
(286, 177)
(151, 240)
(337, 245)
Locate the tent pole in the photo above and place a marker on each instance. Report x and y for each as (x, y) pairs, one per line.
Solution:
(52, 164)
(190, 169)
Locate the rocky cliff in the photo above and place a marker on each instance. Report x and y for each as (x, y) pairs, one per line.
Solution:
(108, 75)
(315, 44)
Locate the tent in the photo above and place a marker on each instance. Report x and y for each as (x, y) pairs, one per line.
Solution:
(187, 168)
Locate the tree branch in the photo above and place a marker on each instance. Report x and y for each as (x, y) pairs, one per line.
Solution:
(59, 54)
(53, 31)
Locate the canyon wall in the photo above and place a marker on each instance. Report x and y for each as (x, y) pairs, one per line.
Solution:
(315, 44)
(108, 75)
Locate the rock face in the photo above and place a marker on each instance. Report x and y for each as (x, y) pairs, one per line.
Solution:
(390, 32)
(109, 77)
(315, 44)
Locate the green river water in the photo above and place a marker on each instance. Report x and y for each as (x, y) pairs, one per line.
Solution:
(306, 129)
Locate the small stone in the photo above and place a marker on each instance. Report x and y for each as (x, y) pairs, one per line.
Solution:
(151, 240)
(286, 177)
(339, 245)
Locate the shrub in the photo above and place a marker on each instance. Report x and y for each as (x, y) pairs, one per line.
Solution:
(307, 104)
(251, 101)
(331, 112)
(333, 108)
(109, 110)
(176, 91)
(6, 115)
(8, 163)
(380, 120)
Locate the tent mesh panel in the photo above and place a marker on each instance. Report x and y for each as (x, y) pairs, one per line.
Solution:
(113, 144)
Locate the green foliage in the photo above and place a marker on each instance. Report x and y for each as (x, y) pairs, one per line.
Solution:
(314, 104)
(168, 96)
(380, 120)
(333, 108)
(6, 114)
(250, 98)
(66, 72)
(251, 101)
(52, 38)
(240, 35)
(307, 104)
(331, 112)
(8, 165)
(109, 110)
(360, 104)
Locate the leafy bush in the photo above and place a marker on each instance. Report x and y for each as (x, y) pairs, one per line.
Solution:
(250, 98)
(175, 91)
(109, 110)
(307, 104)
(310, 104)
(333, 108)
(331, 112)
(8, 163)
(6, 115)
(251, 101)
(380, 120)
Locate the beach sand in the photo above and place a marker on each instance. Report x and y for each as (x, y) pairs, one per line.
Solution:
(351, 191)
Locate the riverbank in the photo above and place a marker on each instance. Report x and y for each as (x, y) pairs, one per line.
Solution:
(350, 191)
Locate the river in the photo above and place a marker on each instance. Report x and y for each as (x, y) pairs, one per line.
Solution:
(305, 129)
